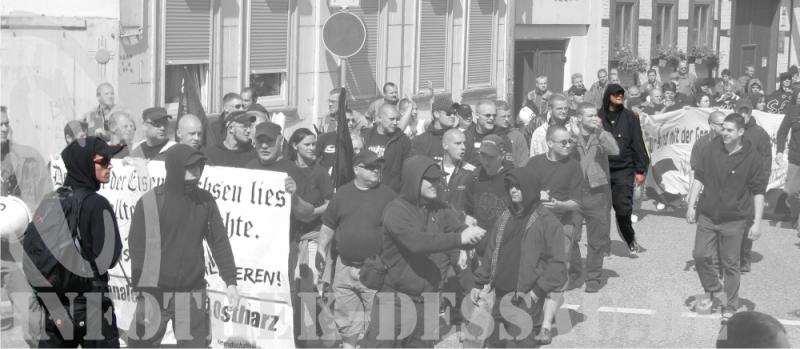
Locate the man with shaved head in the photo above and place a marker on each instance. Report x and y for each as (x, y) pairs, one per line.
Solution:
(190, 131)
(390, 143)
(485, 115)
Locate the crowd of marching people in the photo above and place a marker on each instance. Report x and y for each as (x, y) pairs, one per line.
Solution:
(477, 201)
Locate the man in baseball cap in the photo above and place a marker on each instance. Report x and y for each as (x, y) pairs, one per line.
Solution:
(236, 150)
(156, 142)
(429, 143)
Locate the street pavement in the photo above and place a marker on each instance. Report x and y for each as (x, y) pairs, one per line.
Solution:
(646, 302)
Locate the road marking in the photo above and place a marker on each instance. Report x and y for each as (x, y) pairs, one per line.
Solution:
(626, 310)
(789, 322)
(717, 316)
(571, 306)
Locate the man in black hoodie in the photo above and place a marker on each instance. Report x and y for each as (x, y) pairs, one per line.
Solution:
(417, 227)
(169, 225)
(525, 260)
(630, 166)
(88, 163)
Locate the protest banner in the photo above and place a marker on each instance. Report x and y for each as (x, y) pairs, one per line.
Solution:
(255, 209)
(669, 138)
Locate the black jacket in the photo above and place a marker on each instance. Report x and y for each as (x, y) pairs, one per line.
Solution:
(762, 144)
(790, 125)
(542, 263)
(397, 150)
(79, 161)
(429, 144)
(729, 181)
(175, 218)
(624, 125)
(417, 232)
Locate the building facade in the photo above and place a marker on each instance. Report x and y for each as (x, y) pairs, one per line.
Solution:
(55, 53)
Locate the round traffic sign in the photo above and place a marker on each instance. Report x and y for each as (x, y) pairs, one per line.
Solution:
(344, 34)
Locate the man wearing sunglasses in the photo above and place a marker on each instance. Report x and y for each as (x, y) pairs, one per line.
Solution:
(485, 125)
(557, 116)
(216, 125)
(429, 143)
(630, 166)
(561, 177)
(236, 150)
(156, 142)
(354, 221)
(88, 163)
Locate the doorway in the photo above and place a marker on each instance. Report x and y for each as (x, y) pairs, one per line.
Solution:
(533, 58)
(754, 21)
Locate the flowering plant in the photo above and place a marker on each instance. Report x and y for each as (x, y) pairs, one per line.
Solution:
(627, 60)
(705, 55)
(669, 55)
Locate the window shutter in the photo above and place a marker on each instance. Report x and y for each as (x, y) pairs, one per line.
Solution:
(188, 31)
(480, 36)
(361, 68)
(269, 35)
(433, 43)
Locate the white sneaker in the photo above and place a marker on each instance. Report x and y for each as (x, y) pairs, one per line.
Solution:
(660, 206)
(634, 218)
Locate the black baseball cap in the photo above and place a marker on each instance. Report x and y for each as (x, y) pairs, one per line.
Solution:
(367, 158)
(102, 148)
(268, 129)
(155, 114)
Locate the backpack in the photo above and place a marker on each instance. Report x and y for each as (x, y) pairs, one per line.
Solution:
(56, 260)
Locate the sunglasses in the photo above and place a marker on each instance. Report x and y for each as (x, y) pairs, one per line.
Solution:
(371, 167)
(238, 106)
(489, 115)
(566, 142)
(159, 123)
(103, 162)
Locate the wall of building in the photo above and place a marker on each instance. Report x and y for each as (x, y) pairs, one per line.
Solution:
(51, 66)
(573, 20)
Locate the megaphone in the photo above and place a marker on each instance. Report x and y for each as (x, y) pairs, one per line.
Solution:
(14, 217)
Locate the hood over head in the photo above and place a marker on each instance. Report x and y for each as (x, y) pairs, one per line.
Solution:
(78, 158)
(413, 170)
(178, 157)
(526, 179)
(610, 90)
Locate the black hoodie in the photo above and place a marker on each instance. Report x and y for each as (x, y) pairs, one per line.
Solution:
(186, 215)
(624, 125)
(528, 258)
(486, 198)
(417, 230)
(78, 158)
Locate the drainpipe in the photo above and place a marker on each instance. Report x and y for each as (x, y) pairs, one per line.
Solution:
(791, 33)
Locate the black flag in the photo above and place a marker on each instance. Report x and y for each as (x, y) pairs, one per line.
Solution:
(189, 99)
(343, 160)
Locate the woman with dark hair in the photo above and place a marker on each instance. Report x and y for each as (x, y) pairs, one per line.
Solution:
(315, 187)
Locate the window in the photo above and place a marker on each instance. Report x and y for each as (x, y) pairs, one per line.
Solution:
(624, 25)
(174, 82)
(700, 30)
(480, 43)
(433, 44)
(268, 49)
(187, 27)
(268, 84)
(664, 24)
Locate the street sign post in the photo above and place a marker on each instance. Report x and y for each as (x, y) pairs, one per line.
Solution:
(343, 35)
